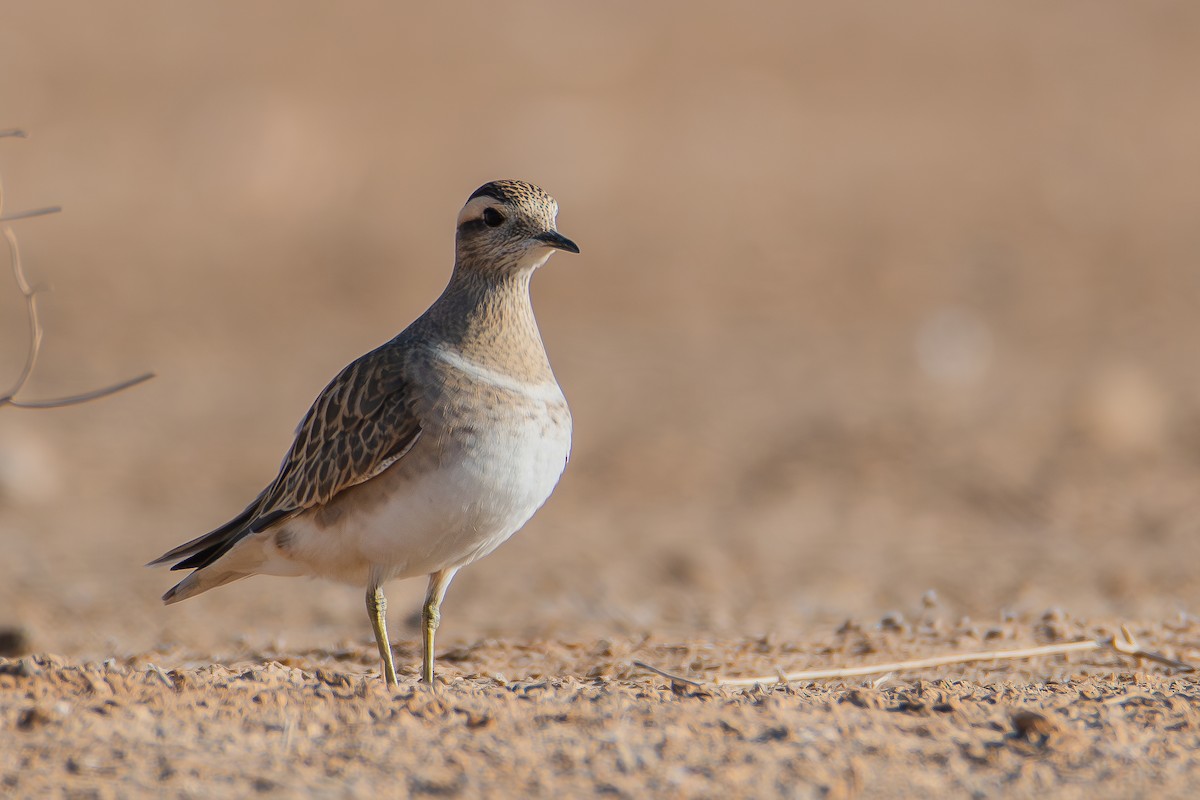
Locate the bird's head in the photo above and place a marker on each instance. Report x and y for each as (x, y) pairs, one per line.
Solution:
(509, 226)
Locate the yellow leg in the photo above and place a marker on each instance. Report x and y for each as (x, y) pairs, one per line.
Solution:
(431, 616)
(377, 608)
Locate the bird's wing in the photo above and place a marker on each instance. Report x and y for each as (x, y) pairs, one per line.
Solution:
(360, 424)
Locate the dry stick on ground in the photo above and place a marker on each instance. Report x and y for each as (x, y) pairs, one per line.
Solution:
(35, 325)
(1124, 644)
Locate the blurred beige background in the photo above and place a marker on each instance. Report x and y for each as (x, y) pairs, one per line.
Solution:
(874, 298)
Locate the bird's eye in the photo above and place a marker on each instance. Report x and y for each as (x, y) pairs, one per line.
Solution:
(492, 218)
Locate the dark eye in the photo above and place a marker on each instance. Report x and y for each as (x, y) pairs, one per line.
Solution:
(492, 218)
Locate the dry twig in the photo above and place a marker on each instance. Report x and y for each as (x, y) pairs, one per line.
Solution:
(37, 212)
(35, 326)
(1124, 644)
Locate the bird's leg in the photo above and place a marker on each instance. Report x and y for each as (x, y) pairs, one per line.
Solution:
(431, 615)
(377, 608)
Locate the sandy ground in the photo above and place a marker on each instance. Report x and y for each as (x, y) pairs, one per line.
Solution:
(875, 299)
(584, 719)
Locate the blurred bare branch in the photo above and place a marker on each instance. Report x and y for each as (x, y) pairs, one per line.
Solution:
(36, 332)
(37, 212)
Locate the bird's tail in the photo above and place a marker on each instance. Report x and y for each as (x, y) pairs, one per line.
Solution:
(202, 552)
(199, 581)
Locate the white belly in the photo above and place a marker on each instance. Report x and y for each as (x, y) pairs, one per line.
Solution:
(467, 507)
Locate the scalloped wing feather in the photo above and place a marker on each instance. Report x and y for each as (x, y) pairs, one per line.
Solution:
(359, 425)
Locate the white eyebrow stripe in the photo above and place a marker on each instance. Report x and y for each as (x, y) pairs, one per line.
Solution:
(548, 391)
(475, 208)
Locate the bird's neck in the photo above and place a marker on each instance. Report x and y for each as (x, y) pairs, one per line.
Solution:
(491, 317)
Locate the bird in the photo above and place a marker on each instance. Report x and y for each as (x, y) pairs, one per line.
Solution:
(428, 452)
